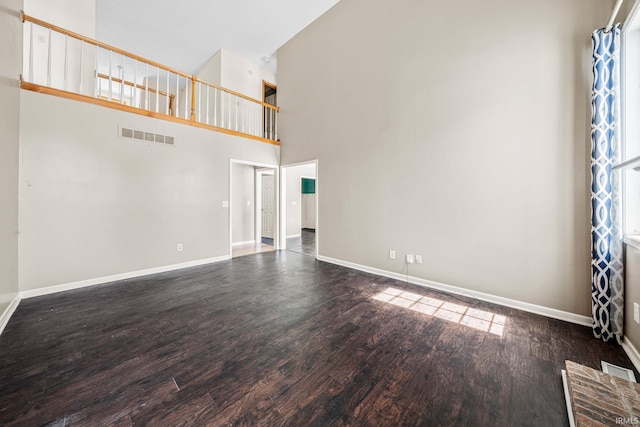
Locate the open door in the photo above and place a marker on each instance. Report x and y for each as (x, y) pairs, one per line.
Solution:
(268, 207)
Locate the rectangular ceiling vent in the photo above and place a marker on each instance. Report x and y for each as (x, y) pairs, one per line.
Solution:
(145, 136)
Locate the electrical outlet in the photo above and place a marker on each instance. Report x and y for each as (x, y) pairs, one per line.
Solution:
(179, 247)
(409, 259)
(392, 254)
(636, 312)
(418, 259)
(225, 203)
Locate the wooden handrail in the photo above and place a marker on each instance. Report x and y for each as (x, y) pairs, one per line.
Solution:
(194, 79)
(248, 98)
(27, 18)
(106, 103)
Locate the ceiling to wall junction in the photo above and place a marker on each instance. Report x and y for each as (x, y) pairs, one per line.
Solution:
(185, 34)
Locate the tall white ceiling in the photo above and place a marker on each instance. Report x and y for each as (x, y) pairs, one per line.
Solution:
(185, 34)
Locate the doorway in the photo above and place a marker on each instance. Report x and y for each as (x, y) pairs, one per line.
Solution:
(253, 211)
(299, 208)
(269, 96)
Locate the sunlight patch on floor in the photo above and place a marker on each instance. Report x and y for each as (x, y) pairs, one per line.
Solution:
(471, 317)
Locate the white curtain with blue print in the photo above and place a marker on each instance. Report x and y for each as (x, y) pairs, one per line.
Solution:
(607, 282)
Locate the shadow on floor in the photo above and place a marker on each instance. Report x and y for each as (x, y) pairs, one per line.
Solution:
(305, 244)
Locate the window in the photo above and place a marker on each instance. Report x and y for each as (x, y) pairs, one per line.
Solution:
(630, 104)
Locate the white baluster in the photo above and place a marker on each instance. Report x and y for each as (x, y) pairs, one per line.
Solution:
(49, 61)
(244, 115)
(81, 84)
(157, 89)
(229, 110)
(215, 106)
(110, 76)
(177, 95)
(66, 61)
(270, 124)
(31, 53)
(167, 96)
(199, 105)
(207, 104)
(134, 93)
(222, 109)
(187, 97)
(236, 108)
(97, 88)
(146, 89)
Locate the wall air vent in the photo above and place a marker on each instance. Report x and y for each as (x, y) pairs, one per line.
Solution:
(145, 136)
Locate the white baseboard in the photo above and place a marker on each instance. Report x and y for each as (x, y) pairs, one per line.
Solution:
(294, 235)
(248, 242)
(632, 352)
(507, 302)
(8, 312)
(106, 279)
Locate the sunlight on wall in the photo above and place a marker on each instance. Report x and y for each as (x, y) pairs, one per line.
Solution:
(474, 318)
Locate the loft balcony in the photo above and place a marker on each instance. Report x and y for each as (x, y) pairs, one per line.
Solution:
(62, 63)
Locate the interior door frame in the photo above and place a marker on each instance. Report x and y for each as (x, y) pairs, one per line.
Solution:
(265, 85)
(282, 235)
(257, 197)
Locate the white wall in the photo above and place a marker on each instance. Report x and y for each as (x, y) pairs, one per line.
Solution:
(78, 16)
(211, 72)
(243, 208)
(11, 54)
(234, 72)
(455, 130)
(294, 196)
(243, 76)
(94, 205)
(239, 75)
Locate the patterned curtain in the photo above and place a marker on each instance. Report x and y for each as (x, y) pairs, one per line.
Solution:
(607, 281)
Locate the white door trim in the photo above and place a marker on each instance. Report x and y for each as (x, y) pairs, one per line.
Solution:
(262, 167)
(283, 203)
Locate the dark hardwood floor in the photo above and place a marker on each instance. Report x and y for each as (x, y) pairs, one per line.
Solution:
(279, 338)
